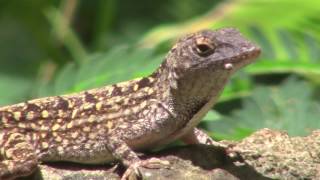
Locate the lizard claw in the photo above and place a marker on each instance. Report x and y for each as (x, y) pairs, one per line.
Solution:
(133, 171)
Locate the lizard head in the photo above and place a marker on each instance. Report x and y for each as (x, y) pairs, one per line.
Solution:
(223, 49)
(200, 64)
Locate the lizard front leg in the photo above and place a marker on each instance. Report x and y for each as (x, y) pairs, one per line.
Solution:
(18, 157)
(121, 151)
(197, 136)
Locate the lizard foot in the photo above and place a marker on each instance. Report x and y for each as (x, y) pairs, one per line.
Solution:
(133, 171)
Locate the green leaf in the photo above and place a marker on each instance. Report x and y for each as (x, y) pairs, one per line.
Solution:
(116, 65)
(237, 134)
(211, 116)
(290, 107)
(240, 85)
(13, 89)
(65, 79)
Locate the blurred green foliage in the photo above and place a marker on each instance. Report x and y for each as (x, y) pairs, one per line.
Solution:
(57, 47)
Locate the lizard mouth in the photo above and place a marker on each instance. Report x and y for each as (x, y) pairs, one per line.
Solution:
(246, 57)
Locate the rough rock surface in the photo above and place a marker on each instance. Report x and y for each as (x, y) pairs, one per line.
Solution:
(266, 154)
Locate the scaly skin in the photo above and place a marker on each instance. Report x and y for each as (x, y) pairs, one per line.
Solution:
(113, 122)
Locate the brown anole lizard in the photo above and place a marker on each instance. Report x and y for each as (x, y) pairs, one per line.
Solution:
(114, 122)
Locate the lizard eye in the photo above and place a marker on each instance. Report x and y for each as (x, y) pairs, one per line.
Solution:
(204, 49)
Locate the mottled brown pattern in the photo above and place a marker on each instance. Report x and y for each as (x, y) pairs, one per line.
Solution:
(112, 122)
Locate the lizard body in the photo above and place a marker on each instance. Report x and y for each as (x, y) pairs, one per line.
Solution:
(112, 122)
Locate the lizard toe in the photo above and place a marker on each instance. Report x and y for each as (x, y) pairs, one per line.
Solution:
(133, 172)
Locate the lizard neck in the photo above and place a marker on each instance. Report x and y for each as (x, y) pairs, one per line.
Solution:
(185, 93)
